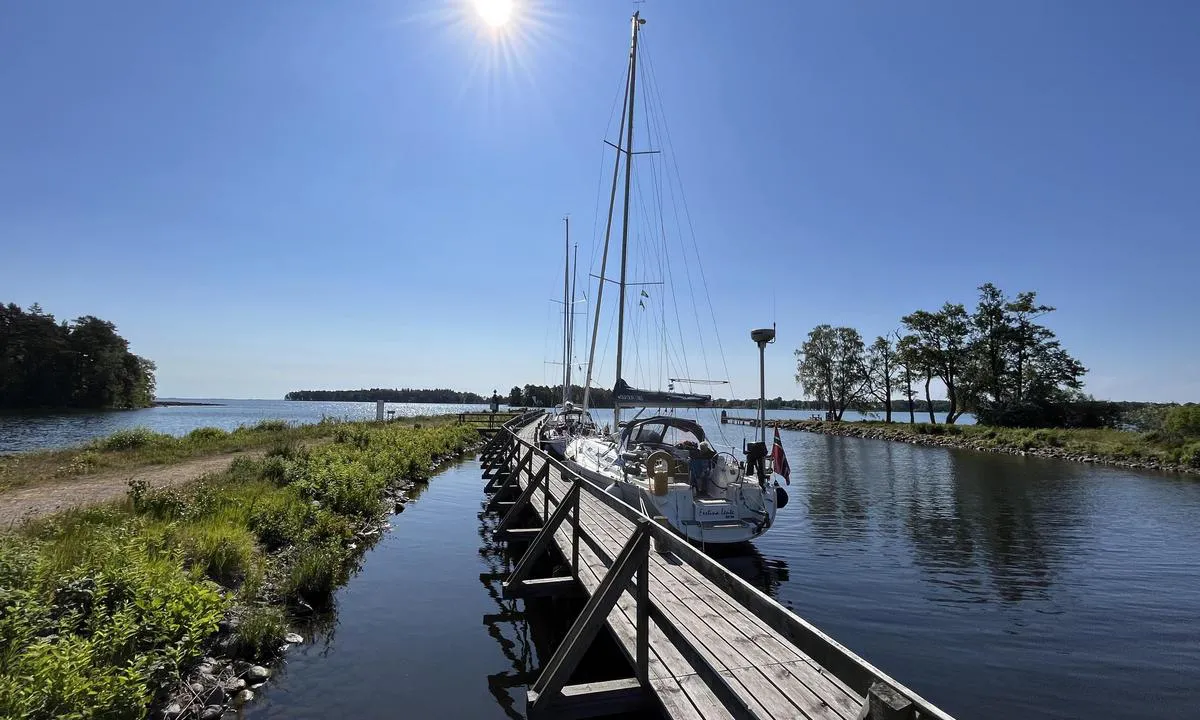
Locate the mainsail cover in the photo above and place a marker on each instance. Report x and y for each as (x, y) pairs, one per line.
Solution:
(627, 396)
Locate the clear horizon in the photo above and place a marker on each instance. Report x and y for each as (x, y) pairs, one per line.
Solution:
(270, 197)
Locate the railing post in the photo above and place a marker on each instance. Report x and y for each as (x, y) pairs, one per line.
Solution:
(540, 543)
(884, 702)
(575, 531)
(643, 616)
(521, 502)
(545, 490)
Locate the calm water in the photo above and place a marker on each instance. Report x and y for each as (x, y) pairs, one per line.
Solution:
(45, 431)
(412, 636)
(42, 431)
(996, 586)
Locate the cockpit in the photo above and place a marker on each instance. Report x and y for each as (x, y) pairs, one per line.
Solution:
(663, 432)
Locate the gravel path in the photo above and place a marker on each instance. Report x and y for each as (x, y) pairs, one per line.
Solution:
(42, 499)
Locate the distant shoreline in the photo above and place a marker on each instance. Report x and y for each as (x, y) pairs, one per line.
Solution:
(184, 403)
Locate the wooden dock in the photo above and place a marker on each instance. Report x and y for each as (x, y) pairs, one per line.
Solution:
(738, 420)
(701, 642)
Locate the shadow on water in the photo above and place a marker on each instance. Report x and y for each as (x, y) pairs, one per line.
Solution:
(528, 631)
(745, 561)
(507, 624)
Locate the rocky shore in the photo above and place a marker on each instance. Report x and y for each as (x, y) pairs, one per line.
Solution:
(974, 438)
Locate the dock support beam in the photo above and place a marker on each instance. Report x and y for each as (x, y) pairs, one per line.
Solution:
(517, 581)
(549, 695)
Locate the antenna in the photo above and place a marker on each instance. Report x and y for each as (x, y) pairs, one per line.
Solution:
(762, 337)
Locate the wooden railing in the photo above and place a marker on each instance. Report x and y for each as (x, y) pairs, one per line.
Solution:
(487, 419)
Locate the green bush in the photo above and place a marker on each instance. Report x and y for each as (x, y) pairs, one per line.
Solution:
(160, 504)
(1190, 455)
(207, 435)
(1047, 438)
(271, 426)
(1183, 421)
(91, 638)
(315, 574)
(260, 634)
(274, 469)
(286, 450)
(133, 439)
(282, 519)
(219, 550)
(359, 437)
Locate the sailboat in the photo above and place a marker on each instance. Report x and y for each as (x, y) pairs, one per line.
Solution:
(664, 464)
(566, 420)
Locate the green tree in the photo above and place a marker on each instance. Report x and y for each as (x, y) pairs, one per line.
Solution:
(882, 372)
(830, 367)
(514, 396)
(1019, 373)
(1183, 420)
(85, 364)
(909, 360)
(942, 345)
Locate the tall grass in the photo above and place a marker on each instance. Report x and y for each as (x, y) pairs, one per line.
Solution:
(260, 633)
(100, 606)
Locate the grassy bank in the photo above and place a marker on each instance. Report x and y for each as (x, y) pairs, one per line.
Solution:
(141, 447)
(1150, 450)
(107, 609)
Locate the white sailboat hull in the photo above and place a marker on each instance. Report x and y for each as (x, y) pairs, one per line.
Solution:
(556, 446)
(736, 513)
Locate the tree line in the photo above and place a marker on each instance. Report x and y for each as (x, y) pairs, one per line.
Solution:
(998, 362)
(778, 403)
(402, 395)
(551, 395)
(82, 363)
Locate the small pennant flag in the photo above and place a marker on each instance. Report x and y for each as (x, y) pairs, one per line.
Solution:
(779, 459)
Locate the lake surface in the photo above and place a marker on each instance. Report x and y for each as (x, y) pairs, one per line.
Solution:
(44, 431)
(996, 586)
(21, 432)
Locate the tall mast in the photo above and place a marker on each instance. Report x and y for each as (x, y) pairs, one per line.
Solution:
(637, 22)
(571, 324)
(612, 201)
(567, 312)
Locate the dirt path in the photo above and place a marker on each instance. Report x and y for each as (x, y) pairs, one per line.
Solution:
(38, 500)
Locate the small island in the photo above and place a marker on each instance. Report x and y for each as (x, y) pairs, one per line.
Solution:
(403, 395)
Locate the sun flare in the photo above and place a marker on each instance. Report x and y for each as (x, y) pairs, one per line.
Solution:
(495, 13)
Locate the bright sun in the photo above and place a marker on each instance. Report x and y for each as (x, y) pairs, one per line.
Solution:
(494, 12)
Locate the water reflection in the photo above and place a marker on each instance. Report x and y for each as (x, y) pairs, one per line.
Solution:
(978, 527)
(993, 528)
(745, 561)
(835, 489)
(507, 624)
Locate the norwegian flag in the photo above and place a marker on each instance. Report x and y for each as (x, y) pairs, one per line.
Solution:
(779, 459)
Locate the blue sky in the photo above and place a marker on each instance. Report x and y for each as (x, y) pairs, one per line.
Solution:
(277, 195)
